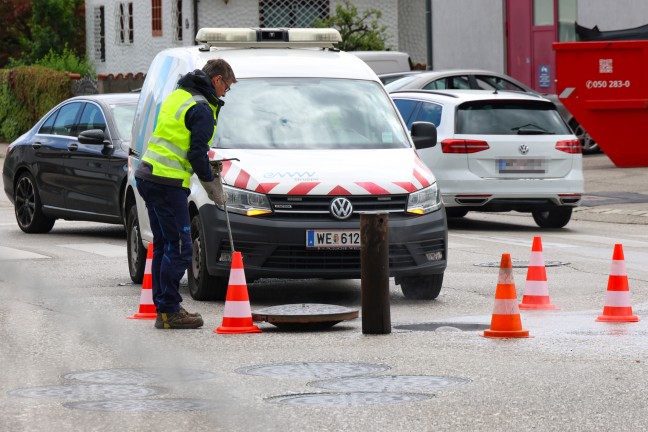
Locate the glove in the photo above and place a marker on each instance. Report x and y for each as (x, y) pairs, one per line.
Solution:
(214, 191)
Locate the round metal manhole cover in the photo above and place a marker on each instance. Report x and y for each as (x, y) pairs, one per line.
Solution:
(444, 327)
(86, 391)
(312, 370)
(306, 316)
(389, 384)
(143, 405)
(347, 399)
(139, 375)
(521, 263)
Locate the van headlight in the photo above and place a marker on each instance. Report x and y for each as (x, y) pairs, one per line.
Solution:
(424, 201)
(246, 202)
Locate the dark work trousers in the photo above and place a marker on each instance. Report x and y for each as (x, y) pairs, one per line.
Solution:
(168, 213)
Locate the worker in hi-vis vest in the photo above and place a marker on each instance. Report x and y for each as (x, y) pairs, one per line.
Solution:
(177, 149)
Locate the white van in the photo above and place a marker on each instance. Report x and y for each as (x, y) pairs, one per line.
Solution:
(317, 141)
(385, 62)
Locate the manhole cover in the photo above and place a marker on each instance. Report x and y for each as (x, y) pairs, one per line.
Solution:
(347, 399)
(444, 327)
(312, 370)
(521, 263)
(85, 391)
(306, 316)
(393, 383)
(135, 405)
(139, 375)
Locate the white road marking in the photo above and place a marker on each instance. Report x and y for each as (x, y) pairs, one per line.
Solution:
(7, 253)
(103, 249)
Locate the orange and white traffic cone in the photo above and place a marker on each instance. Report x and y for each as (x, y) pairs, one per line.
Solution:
(617, 300)
(237, 315)
(536, 288)
(147, 309)
(506, 321)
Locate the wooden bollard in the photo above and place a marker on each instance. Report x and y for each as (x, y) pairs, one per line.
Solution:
(374, 272)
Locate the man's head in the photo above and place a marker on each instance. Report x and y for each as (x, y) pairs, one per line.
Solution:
(221, 75)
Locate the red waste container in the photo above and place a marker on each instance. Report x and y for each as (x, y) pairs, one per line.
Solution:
(604, 85)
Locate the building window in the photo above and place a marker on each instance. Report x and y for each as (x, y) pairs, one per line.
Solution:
(156, 17)
(99, 34)
(567, 12)
(291, 13)
(124, 21)
(177, 19)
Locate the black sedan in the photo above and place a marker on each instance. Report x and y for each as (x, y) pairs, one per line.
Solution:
(72, 164)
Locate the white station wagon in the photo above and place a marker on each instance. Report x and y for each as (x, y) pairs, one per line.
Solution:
(499, 151)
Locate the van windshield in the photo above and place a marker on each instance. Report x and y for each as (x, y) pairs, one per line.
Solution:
(308, 113)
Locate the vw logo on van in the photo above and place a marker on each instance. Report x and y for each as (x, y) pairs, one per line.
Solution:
(341, 208)
(524, 149)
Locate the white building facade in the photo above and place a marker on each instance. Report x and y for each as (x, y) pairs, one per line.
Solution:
(124, 36)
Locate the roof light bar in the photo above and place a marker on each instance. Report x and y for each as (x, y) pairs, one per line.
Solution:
(269, 37)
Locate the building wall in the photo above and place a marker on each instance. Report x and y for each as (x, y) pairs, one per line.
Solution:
(468, 34)
(608, 15)
(412, 29)
(135, 58)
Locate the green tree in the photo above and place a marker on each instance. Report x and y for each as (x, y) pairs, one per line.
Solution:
(15, 16)
(54, 25)
(359, 31)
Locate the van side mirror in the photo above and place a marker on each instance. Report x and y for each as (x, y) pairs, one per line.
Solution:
(424, 135)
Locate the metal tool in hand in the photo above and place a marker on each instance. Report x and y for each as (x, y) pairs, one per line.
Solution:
(217, 166)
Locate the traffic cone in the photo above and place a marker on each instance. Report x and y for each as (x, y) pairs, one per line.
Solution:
(617, 300)
(506, 321)
(536, 289)
(147, 309)
(237, 315)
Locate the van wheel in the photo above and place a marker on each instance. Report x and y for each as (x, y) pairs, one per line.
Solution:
(422, 288)
(202, 285)
(135, 248)
(28, 207)
(557, 217)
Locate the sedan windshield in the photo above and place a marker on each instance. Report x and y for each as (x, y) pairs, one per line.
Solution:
(308, 113)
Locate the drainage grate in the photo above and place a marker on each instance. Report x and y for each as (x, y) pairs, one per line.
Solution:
(347, 399)
(144, 405)
(139, 375)
(85, 391)
(392, 383)
(521, 263)
(444, 327)
(312, 370)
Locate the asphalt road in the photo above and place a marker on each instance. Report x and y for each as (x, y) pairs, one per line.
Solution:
(72, 361)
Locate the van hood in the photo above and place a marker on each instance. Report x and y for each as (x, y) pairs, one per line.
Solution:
(325, 172)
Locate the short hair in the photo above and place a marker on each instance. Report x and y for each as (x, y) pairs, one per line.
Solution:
(220, 67)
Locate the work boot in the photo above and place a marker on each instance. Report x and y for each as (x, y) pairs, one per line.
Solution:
(183, 311)
(177, 320)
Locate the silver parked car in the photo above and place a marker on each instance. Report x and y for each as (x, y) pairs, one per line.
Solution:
(477, 79)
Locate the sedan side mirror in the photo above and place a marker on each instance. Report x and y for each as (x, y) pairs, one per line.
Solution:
(93, 137)
(424, 135)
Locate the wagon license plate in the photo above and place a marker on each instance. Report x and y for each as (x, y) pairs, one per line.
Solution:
(333, 239)
(522, 166)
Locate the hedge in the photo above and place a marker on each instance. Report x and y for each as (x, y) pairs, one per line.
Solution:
(26, 94)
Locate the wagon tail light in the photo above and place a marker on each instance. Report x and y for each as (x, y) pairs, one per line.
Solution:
(569, 146)
(463, 146)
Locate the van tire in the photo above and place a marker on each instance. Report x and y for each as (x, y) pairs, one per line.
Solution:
(456, 212)
(135, 248)
(202, 285)
(556, 217)
(422, 287)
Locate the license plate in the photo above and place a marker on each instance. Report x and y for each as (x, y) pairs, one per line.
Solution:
(522, 166)
(333, 239)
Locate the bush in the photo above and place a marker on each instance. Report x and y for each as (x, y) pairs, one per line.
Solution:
(66, 61)
(26, 94)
